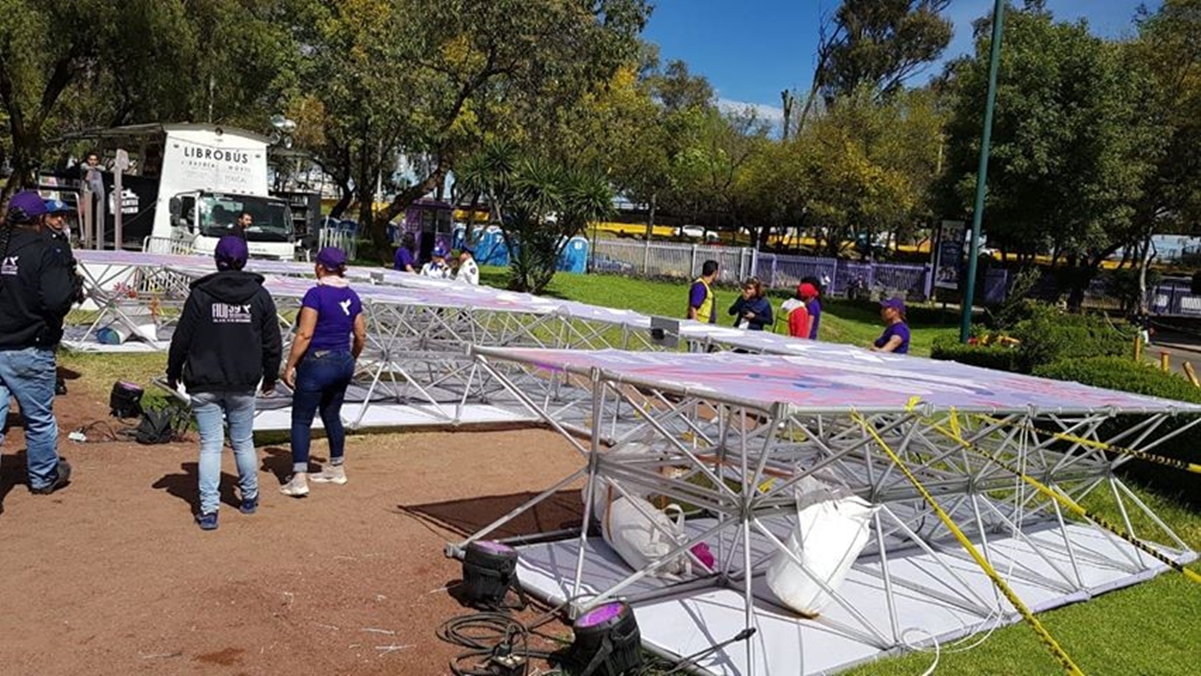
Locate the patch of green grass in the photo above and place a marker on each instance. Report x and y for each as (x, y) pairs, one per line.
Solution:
(97, 372)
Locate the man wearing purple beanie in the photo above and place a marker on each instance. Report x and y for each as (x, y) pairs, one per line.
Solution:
(227, 341)
(37, 289)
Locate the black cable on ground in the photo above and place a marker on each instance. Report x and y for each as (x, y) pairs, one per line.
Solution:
(498, 645)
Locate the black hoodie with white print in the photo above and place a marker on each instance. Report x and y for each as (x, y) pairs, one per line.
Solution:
(228, 335)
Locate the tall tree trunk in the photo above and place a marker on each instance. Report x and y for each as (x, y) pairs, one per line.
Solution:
(25, 156)
(345, 196)
(364, 187)
(1143, 264)
(650, 219)
(469, 228)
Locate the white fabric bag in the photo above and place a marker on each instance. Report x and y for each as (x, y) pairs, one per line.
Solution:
(830, 533)
(640, 538)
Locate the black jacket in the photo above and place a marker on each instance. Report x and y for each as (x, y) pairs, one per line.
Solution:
(758, 307)
(228, 335)
(37, 287)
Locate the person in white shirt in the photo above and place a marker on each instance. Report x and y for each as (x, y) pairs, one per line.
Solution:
(437, 267)
(468, 272)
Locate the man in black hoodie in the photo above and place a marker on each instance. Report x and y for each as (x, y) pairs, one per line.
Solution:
(37, 287)
(227, 341)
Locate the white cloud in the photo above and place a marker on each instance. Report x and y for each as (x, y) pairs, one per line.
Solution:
(773, 114)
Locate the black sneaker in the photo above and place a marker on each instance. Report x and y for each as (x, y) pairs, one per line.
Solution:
(62, 477)
(207, 521)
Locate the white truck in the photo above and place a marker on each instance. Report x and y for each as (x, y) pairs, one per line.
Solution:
(189, 184)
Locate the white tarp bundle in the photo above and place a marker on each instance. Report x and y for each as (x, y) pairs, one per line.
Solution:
(831, 531)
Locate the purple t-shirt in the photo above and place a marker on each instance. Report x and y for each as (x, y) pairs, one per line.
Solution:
(404, 259)
(336, 310)
(815, 316)
(900, 329)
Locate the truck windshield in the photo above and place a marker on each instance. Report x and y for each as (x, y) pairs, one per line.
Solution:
(270, 220)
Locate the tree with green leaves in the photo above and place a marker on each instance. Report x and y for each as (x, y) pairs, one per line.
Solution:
(1072, 145)
(541, 205)
(878, 44)
(433, 80)
(75, 64)
(1169, 48)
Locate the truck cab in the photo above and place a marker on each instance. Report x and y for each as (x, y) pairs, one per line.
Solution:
(200, 218)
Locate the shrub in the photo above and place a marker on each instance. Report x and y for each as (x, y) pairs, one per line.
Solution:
(1130, 376)
(1127, 375)
(989, 356)
(1049, 335)
(1046, 335)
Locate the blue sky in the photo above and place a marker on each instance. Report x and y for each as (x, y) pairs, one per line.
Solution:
(753, 49)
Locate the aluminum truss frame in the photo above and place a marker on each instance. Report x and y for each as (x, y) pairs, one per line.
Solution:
(738, 463)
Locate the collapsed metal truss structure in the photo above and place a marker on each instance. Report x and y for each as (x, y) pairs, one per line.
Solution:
(419, 331)
(1010, 478)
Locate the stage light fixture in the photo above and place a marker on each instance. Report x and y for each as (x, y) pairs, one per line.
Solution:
(489, 572)
(607, 641)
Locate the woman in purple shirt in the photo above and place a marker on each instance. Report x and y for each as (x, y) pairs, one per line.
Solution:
(321, 366)
(896, 332)
(405, 261)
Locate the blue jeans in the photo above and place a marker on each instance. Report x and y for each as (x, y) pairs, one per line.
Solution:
(29, 375)
(321, 380)
(238, 409)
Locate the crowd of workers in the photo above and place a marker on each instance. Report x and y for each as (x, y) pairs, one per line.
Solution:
(227, 344)
(463, 269)
(801, 314)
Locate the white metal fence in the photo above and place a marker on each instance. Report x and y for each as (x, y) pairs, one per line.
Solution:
(343, 239)
(166, 245)
(684, 261)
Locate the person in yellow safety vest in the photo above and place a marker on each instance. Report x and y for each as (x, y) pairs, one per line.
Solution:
(701, 299)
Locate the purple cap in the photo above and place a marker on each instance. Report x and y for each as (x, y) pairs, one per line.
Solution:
(231, 253)
(25, 206)
(894, 303)
(331, 258)
(438, 252)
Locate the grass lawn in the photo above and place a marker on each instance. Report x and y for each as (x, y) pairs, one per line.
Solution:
(1151, 628)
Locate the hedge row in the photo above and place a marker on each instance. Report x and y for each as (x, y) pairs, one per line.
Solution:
(1046, 336)
(1127, 375)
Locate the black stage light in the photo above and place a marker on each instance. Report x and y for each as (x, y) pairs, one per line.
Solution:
(607, 641)
(489, 572)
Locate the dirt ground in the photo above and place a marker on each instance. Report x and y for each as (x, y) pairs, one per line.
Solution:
(111, 575)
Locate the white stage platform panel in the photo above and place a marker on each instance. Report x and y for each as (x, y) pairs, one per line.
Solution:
(786, 644)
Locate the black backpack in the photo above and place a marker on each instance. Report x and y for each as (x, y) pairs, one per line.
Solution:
(161, 425)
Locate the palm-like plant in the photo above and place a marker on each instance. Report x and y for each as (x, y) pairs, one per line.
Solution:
(539, 206)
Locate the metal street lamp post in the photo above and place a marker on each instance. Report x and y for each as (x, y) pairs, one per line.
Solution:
(969, 294)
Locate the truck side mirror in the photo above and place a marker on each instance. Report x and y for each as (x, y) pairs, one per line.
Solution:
(176, 209)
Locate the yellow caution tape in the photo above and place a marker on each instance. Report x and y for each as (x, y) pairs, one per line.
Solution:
(1072, 506)
(1102, 446)
(1049, 641)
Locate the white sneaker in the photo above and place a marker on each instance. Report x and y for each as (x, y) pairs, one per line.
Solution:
(298, 487)
(330, 474)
